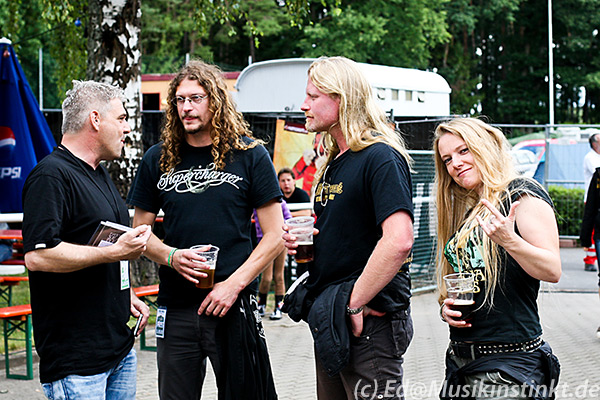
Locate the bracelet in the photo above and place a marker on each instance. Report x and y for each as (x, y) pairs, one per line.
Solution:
(442, 313)
(353, 311)
(170, 258)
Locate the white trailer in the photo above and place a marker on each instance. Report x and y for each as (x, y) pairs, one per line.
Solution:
(278, 87)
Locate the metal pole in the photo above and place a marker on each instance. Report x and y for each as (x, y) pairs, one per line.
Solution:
(550, 67)
(41, 77)
(547, 156)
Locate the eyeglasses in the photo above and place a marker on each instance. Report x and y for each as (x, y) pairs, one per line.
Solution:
(195, 99)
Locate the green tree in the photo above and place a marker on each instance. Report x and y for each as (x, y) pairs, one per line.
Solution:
(168, 34)
(577, 60)
(394, 32)
(469, 61)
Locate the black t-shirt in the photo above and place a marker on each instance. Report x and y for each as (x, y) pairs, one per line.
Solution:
(297, 196)
(205, 206)
(357, 192)
(79, 318)
(514, 316)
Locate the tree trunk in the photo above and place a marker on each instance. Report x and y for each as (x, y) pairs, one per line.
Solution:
(114, 57)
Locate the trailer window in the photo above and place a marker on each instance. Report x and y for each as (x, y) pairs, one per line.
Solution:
(395, 94)
(408, 95)
(381, 93)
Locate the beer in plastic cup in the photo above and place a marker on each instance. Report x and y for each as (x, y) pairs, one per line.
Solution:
(209, 252)
(460, 287)
(302, 228)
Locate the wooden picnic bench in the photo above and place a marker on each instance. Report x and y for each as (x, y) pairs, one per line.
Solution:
(147, 295)
(6, 285)
(18, 319)
(16, 264)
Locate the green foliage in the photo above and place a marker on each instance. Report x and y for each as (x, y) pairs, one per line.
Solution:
(395, 32)
(351, 34)
(35, 24)
(68, 43)
(568, 205)
(493, 53)
(168, 34)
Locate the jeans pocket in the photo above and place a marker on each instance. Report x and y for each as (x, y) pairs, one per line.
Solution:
(48, 390)
(402, 331)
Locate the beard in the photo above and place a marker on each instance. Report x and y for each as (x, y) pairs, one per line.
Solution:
(193, 129)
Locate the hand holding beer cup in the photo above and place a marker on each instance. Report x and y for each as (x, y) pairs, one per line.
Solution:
(460, 287)
(302, 229)
(209, 253)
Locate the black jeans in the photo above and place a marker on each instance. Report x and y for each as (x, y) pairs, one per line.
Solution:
(375, 366)
(189, 340)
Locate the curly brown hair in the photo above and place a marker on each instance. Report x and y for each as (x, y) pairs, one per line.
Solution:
(229, 126)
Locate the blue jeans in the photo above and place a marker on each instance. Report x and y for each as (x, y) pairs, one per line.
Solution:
(118, 383)
(6, 251)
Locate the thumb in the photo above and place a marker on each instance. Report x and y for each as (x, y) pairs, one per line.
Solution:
(370, 311)
(513, 210)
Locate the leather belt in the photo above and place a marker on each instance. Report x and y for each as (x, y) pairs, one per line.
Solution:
(476, 350)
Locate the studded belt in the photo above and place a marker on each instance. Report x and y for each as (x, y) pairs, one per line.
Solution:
(476, 350)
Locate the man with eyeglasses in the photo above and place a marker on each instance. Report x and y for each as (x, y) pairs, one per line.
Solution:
(359, 283)
(207, 175)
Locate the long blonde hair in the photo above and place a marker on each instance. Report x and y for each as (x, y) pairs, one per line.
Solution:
(229, 126)
(361, 120)
(457, 206)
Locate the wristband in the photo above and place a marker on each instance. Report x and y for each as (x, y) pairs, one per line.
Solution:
(170, 258)
(441, 312)
(354, 311)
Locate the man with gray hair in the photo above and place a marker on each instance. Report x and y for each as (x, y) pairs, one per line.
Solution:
(81, 298)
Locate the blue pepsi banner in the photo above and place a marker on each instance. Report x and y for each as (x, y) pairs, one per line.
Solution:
(25, 137)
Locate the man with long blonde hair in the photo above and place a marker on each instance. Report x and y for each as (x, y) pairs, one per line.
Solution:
(363, 203)
(207, 175)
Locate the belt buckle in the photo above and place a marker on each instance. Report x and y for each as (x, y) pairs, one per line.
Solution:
(473, 355)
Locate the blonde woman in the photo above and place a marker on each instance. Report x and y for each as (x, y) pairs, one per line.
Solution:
(501, 228)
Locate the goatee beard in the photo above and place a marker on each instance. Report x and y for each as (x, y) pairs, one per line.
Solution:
(193, 131)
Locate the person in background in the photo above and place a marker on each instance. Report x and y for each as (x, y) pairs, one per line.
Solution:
(590, 225)
(207, 174)
(591, 161)
(81, 298)
(291, 193)
(357, 296)
(6, 247)
(501, 228)
(274, 271)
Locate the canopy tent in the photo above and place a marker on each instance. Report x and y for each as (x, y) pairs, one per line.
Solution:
(25, 137)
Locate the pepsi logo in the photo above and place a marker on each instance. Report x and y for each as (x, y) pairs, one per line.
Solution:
(7, 137)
